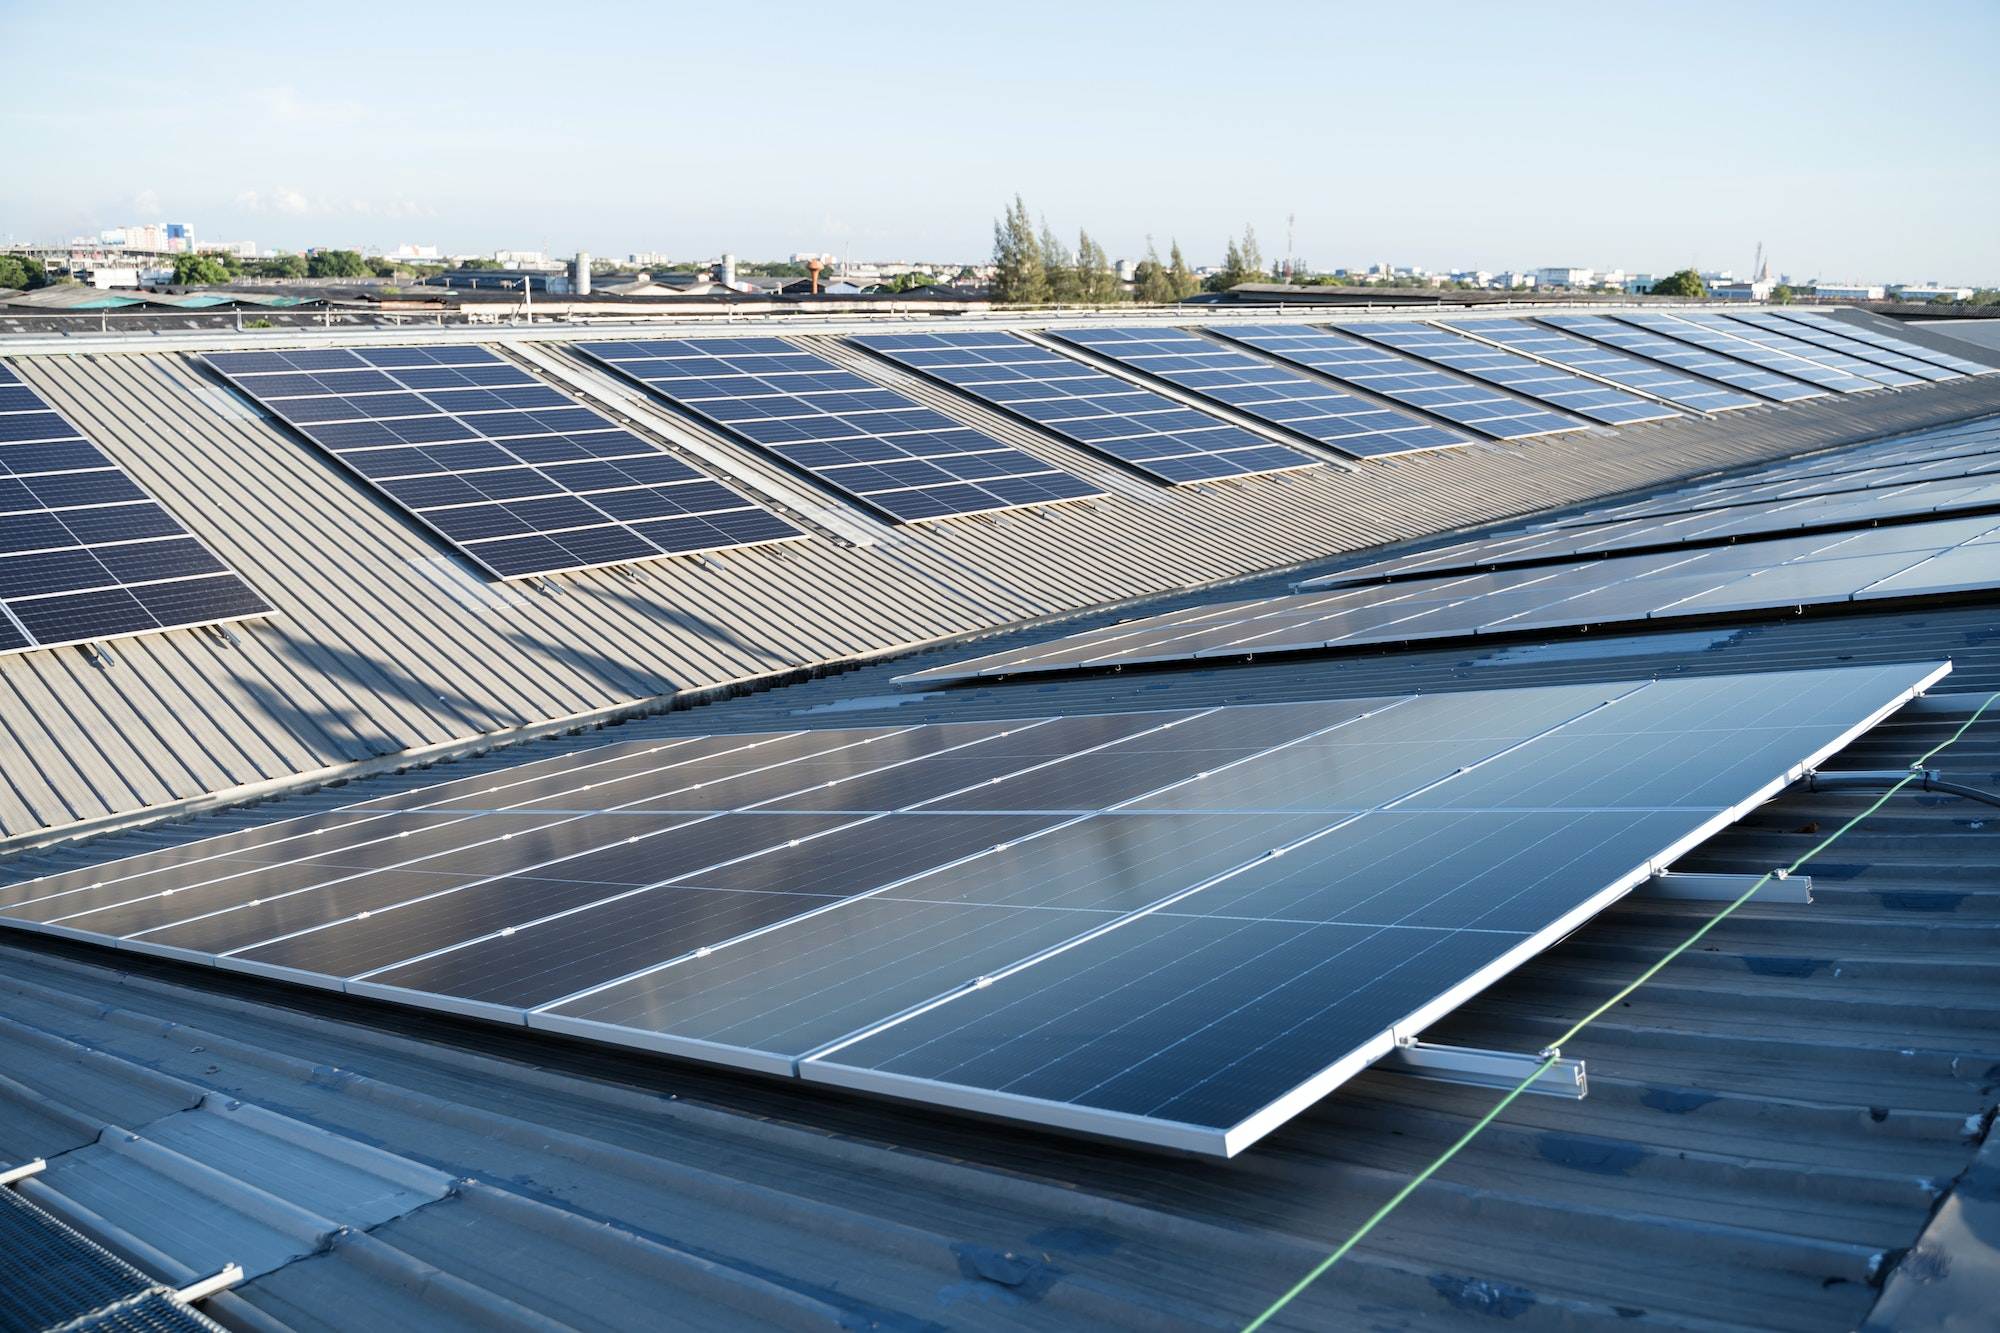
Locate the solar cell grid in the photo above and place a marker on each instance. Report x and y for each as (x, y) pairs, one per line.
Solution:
(516, 476)
(1700, 361)
(1718, 335)
(1266, 391)
(1867, 353)
(1399, 379)
(1164, 439)
(1186, 959)
(1823, 322)
(1840, 353)
(1579, 354)
(1512, 371)
(85, 552)
(845, 431)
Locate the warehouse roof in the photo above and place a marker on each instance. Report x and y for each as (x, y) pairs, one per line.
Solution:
(1779, 1114)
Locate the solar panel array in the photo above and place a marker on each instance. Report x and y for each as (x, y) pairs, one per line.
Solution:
(515, 476)
(1257, 388)
(1913, 369)
(872, 443)
(1518, 374)
(85, 552)
(1938, 557)
(1699, 361)
(1579, 354)
(1399, 379)
(1164, 439)
(1823, 322)
(1759, 328)
(1707, 332)
(1178, 928)
(1950, 470)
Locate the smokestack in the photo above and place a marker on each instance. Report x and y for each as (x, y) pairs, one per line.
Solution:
(579, 274)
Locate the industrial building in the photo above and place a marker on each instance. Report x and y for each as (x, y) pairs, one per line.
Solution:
(309, 639)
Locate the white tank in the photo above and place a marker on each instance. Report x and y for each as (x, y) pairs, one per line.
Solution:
(579, 274)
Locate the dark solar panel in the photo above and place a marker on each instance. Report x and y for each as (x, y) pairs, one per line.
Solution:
(85, 553)
(1166, 440)
(1579, 354)
(1261, 389)
(1718, 335)
(1708, 364)
(1399, 379)
(515, 476)
(842, 430)
(1511, 371)
(1178, 928)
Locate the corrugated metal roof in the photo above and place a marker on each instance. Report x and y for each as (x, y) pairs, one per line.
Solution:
(1771, 1122)
(384, 649)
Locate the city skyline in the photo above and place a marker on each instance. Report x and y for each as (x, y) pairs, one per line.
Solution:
(1651, 138)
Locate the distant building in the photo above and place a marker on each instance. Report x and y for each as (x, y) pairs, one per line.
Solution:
(1638, 284)
(1510, 280)
(1930, 292)
(1847, 291)
(1565, 277)
(423, 254)
(1759, 289)
(1128, 270)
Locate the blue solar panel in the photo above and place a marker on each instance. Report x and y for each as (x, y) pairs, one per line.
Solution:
(85, 553)
(1399, 379)
(1720, 336)
(1685, 356)
(1162, 438)
(1531, 339)
(514, 475)
(842, 430)
(1853, 353)
(1518, 374)
(1821, 322)
(1778, 335)
(1269, 392)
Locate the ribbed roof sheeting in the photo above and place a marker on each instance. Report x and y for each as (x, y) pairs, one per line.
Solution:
(384, 646)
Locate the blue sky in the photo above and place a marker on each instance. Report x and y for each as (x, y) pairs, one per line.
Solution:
(1855, 140)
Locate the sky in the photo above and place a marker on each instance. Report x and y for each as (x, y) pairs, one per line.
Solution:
(1855, 140)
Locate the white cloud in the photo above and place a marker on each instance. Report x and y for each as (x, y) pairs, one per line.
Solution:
(284, 103)
(146, 204)
(288, 201)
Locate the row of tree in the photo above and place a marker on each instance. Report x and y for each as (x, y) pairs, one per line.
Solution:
(1032, 266)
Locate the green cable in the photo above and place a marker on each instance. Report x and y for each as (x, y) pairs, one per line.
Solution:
(1396, 1200)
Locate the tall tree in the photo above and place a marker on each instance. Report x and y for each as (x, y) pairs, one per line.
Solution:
(1184, 281)
(1253, 258)
(195, 270)
(1151, 281)
(1240, 263)
(1061, 266)
(1098, 283)
(1020, 273)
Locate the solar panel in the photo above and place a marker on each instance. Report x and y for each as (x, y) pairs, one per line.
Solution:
(1770, 573)
(841, 430)
(1519, 374)
(1166, 440)
(1949, 470)
(1770, 321)
(1176, 928)
(85, 552)
(1268, 392)
(1399, 379)
(1785, 336)
(1826, 323)
(1703, 331)
(512, 474)
(1695, 360)
(1579, 354)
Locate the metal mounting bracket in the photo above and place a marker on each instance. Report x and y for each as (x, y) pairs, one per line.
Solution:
(1479, 1068)
(1780, 888)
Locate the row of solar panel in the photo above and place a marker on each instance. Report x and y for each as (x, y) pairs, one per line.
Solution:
(522, 479)
(1179, 928)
